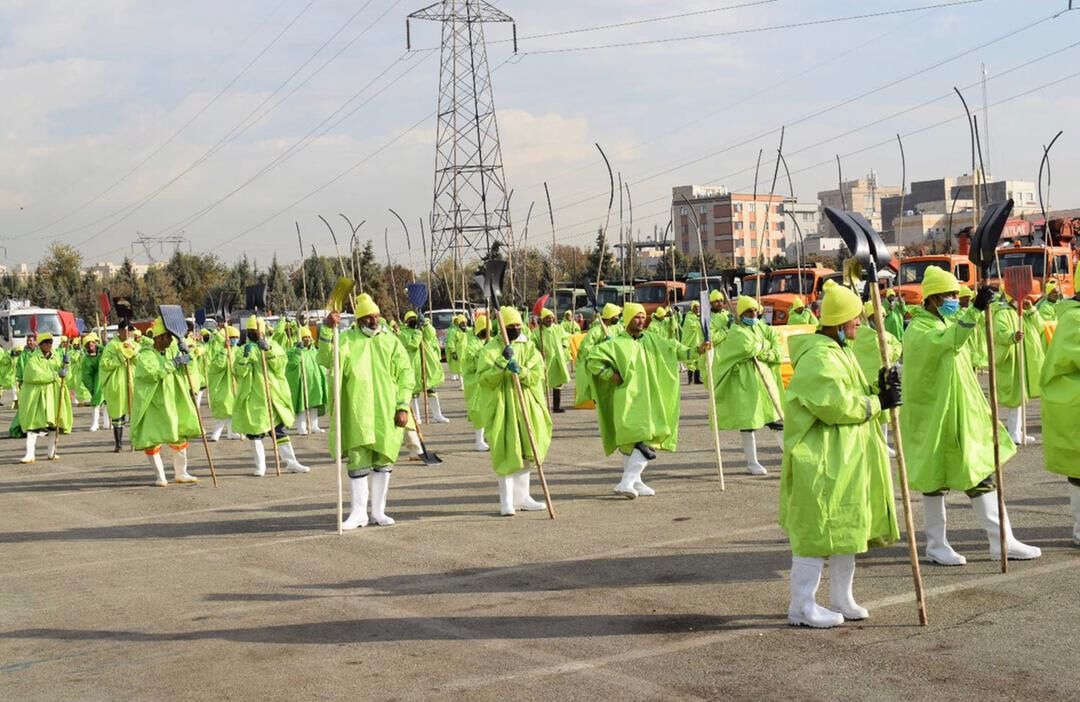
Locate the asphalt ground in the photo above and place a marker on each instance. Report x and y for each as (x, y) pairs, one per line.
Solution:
(112, 589)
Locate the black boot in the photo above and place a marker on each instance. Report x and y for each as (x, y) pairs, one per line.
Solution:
(689, 377)
(556, 401)
(118, 435)
(697, 377)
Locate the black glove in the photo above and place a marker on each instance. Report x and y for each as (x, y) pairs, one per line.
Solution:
(66, 360)
(889, 388)
(264, 344)
(247, 348)
(181, 346)
(983, 298)
(508, 353)
(63, 372)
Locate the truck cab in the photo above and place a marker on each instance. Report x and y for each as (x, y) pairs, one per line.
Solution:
(659, 293)
(17, 320)
(912, 270)
(785, 285)
(1047, 263)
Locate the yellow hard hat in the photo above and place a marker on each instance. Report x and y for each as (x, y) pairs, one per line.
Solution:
(510, 317)
(631, 310)
(365, 307)
(938, 281)
(744, 304)
(158, 327)
(610, 310)
(840, 305)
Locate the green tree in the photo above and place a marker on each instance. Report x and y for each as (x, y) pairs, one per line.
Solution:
(370, 270)
(193, 277)
(600, 259)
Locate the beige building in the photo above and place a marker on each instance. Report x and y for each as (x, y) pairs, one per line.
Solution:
(735, 228)
(863, 195)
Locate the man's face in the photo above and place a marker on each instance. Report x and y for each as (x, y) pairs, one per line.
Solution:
(123, 334)
(46, 348)
(306, 341)
(612, 321)
(370, 321)
(234, 341)
(852, 328)
(31, 343)
(548, 321)
(965, 302)
(716, 305)
(91, 348)
(161, 342)
(637, 324)
(411, 323)
(1054, 295)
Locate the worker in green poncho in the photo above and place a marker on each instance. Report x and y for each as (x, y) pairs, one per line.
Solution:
(1047, 305)
(376, 385)
(719, 318)
(636, 376)
(454, 339)
(250, 414)
(569, 326)
(197, 351)
(74, 349)
(503, 421)
(115, 374)
(743, 400)
(665, 324)
(1060, 383)
(91, 372)
(470, 356)
(1008, 337)
(551, 343)
(693, 335)
(15, 431)
(45, 403)
(976, 343)
(836, 493)
(309, 394)
(895, 314)
(418, 337)
(946, 420)
(162, 411)
(868, 354)
(600, 331)
(7, 374)
(221, 381)
(799, 314)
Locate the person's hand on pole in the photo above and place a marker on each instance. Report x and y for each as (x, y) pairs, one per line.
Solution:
(401, 418)
(983, 298)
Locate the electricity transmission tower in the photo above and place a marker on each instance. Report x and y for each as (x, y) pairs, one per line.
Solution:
(470, 205)
(148, 242)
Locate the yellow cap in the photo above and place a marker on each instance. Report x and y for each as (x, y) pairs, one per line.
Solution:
(510, 317)
(158, 327)
(694, 306)
(43, 337)
(138, 333)
(567, 315)
(610, 310)
(966, 292)
(716, 296)
(481, 324)
(91, 337)
(631, 310)
(798, 303)
(1051, 286)
(305, 332)
(660, 313)
(840, 305)
(232, 332)
(868, 309)
(254, 324)
(938, 281)
(365, 307)
(410, 315)
(744, 304)
(545, 313)
(890, 293)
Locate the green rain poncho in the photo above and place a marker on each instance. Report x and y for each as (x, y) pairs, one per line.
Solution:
(197, 350)
(221, 379)
(945, 419)
(7, 370)
(454, 340)
(115, 375)
(250, 415)
(803, 316)
(976, 345)
(895, 311)
(693, 336)
(583, 389)
(742, 398)
(306, 361)
(1047, 309)
(1007, 354)
(836, 493)
(645, 407)
(163, 411)
(90, 369)
(1060, 382)
(570, 327)
(469, 358)
(500, 414)
(82, 392)
(376, 382)
(432, 365)
(868, 353)
(40, 394)
(551, 342)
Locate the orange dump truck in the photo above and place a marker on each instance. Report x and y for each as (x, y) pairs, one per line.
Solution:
(1047, 263)
(912, 270)
(785, 285)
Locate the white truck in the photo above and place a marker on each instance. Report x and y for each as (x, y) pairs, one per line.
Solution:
(16, 323)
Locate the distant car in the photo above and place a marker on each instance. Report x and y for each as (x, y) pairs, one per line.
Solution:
(441, 321)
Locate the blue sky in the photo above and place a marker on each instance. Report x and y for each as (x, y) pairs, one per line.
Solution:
(96, 94)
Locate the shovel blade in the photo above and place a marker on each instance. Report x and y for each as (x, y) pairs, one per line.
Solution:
(985, 240)
(430, 458)
(853, 235)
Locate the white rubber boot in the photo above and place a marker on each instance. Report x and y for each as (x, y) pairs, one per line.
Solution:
(986, 512)
(301, 424)
(1074, 500)
(417, 417)
(506, 495)
(159, 469)
(522, 499)
(105, 422)
(229, 433)
(1014, 422)
(804, 610)
(888, 447)
(436, 410)
(642, 489)
(480, 444)
(315, 423)
(412, 442)
(289, 456)
(749, 445)
(380, 485)
(53, 455)
(95, 421)
(938, 549)
(31, 445)
(358, 506)
(841, 579)
(198, 399)
(179, 464)
(216, 434)
(633, 465)
(260, 458)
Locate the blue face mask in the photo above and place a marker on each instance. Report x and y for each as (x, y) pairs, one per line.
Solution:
(841, 336)
(749, 321)
(949, 307)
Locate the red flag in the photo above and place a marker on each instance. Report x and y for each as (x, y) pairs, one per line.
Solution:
(106, 308)
(68, 327)
(33, 324)
(539, 306)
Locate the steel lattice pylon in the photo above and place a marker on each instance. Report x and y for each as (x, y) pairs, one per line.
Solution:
(470, 203)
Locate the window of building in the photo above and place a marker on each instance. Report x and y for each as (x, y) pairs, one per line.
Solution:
(701, 209)
(753, 226)
(738, 225)
(738, 207)
(682, 211)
